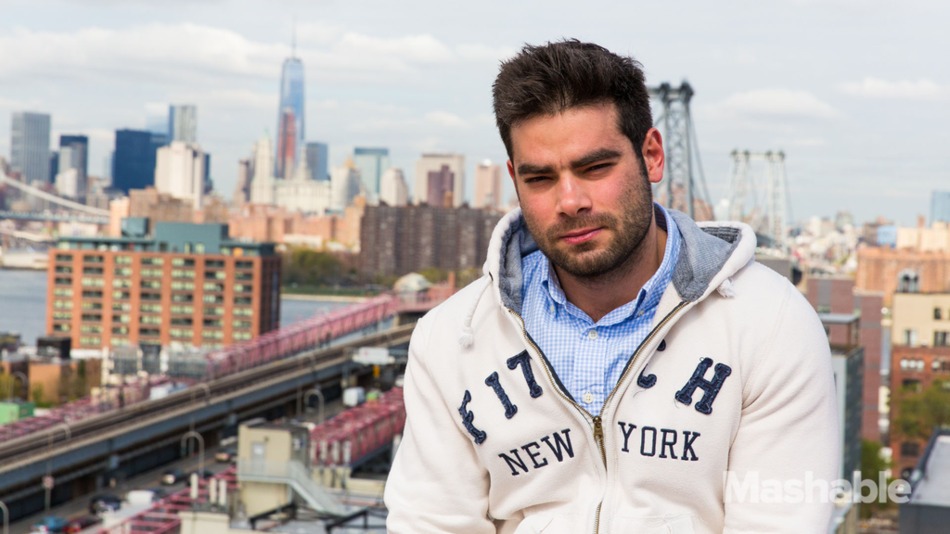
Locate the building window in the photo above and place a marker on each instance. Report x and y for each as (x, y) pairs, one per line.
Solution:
(910, 449)
(910, 384)
(910, 337)
(940, 339)
(937, 314)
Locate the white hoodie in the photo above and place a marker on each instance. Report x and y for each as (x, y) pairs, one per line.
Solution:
(724, 420)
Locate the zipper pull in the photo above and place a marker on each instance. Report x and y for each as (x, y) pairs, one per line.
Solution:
(598, 430)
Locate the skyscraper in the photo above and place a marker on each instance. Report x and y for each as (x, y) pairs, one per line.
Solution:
(433, 163)
(371, 162)
(392, 188)
(939, 206)
(317, 161)
(487, 185)
(29, 146)
(133, 163)
(180, 172)
(74, 155)
(290, 118)
(183, 123)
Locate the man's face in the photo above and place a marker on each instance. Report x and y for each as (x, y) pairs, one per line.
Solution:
(584, 193)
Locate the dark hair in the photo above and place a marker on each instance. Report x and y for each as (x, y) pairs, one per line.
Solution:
(548, 79)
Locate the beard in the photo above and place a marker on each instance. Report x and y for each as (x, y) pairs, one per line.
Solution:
(629, 228)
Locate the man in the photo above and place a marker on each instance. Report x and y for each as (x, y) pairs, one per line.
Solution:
(619, 368)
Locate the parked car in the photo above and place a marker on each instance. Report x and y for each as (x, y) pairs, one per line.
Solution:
(105, 502)
(225, 454)
(50, 524)
(78, 524)
(172, 477)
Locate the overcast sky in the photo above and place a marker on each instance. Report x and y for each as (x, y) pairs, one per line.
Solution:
(856, 92)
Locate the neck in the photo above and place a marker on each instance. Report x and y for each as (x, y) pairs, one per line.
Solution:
(599, 295)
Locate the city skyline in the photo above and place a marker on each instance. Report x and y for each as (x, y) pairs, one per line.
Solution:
(851, 91)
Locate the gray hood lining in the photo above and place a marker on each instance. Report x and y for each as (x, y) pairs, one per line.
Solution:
(703, 253)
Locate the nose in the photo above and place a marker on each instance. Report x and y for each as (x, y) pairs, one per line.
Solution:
(573, 197)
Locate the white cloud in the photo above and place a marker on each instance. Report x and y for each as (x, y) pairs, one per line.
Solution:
(443, 118)
(480, 52)
(922, 89)
(412, 48)
(772, 104)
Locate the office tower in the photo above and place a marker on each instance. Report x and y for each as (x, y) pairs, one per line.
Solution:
(434, 162)
(262, 180)
(371, 162)
(940, 206)
(318, 161)
(287, 145)
(74, 155)
(487, 186)
(133, 164)
(180, 172)
(344, 186)
(393, 190)
(439, 187)
(181, 283)
(29, 146)
(290, 118)
(183, 123)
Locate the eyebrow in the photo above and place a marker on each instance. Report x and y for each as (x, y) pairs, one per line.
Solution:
(597, 155)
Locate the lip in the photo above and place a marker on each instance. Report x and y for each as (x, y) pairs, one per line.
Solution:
(581, 235)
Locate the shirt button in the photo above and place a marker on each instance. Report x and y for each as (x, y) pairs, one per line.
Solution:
(588, 397)
(592, 333)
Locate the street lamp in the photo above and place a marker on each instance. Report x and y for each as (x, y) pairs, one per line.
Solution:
(6, 518)
(48, 479)
(201, 449)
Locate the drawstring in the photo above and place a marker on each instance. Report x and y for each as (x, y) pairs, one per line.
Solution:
(467, 337)
(725, 289)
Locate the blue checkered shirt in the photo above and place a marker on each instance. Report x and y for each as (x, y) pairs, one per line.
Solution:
(589, 357)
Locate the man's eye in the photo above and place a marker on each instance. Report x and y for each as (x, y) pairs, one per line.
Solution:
(535, 179)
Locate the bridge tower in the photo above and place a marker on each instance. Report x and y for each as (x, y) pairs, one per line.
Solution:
(760, 198)
(683, 187)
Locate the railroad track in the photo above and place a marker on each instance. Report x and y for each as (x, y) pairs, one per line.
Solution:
(40, 446)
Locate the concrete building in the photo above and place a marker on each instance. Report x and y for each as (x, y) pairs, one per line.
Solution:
(393, 190)
(429, 163)
(927, 510)
(29, 146)
(488, 192)
(179, 282)
(180, 172)
(837, 295)
(297, 193)
(74, 156)
(398, 240)
(344, 186)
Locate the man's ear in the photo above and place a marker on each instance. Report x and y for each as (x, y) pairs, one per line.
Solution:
(653, 157)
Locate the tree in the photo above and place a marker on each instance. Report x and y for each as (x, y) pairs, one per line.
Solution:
(921, 411)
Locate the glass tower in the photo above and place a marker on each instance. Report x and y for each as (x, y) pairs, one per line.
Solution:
(29, 146)
(290, 118)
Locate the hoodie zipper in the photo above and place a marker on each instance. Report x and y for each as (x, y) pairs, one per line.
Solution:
(598, 427)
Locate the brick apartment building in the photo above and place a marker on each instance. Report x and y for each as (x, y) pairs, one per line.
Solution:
(837, 295)
(398, 240)
(180, 283)
(920, 355)
(890, 270)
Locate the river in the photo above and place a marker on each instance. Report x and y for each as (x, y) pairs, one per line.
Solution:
(23, 304)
